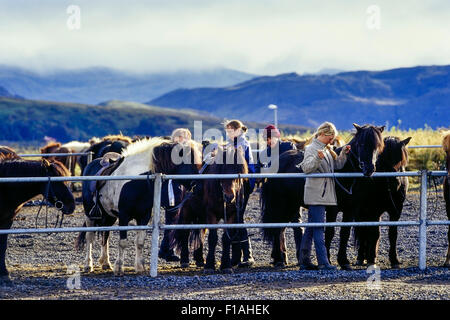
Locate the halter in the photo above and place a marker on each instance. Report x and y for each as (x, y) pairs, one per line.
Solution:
(58, 205)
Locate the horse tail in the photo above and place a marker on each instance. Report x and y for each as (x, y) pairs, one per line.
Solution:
(267, 211)
(80, 242)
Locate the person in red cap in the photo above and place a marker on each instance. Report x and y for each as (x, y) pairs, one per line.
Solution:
(274, 146)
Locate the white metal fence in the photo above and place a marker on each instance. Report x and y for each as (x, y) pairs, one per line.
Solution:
(156, 227)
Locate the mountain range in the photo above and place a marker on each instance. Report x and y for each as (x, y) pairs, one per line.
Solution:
(404, 97)
(98, 84)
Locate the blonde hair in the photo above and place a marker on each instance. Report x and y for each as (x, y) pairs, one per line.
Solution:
(327, 129)
(235, 124)
(181, 132)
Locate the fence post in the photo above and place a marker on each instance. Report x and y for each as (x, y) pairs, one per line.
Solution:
(423, 221)
(89, 157)
(155, 224)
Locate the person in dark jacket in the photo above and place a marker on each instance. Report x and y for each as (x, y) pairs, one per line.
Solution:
(274, 148)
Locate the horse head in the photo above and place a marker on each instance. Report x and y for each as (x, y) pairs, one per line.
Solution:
(178, 159)
(231, 161)
(58, 192)
(366, 145)
(394, 155)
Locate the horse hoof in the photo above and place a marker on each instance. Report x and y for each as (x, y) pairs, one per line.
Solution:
(208, 271)
(346, 267)
(106, 267)
(200, 263)
(359, 263)
(184, 265)
(88, 269)
(395, 266)
(227, 271)
(279, 265)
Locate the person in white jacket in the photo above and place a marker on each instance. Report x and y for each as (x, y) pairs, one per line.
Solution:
(319, 192)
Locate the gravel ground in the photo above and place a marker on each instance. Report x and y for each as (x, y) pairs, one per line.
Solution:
(40, 265)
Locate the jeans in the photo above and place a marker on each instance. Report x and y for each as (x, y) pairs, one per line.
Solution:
(315, 214)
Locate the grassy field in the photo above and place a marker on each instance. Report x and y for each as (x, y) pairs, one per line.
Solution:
(419, 159)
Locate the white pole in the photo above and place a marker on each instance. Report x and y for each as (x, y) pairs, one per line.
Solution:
(276, 118)
(423, 222)
(156, 221)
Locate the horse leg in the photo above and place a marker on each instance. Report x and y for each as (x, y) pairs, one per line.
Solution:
(198, 256)
(4, 275)
(210, 259)
(447, 260)
(183, 235)
(331, 215)
(225, 264)
(276, 248)
(393, 255)
(344, 235)
(88, 264)
(283, 247)
(298, 235)
(104, 254)
(139, 260)
(123, 244)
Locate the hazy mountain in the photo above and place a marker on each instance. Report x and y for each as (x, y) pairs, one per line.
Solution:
(414, 96)
(94, 85)
(31, 120)
(6, 93)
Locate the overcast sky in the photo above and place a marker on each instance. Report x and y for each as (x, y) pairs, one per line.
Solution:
(257, 36)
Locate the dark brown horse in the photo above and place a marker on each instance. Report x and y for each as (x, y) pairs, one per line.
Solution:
(446, 146)
(211, 201)
(13, 195)
(383, 194)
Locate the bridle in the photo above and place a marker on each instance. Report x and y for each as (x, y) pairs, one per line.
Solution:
(57, 203)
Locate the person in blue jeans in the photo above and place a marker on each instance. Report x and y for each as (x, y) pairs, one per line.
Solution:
(319, 192)
(236, 130)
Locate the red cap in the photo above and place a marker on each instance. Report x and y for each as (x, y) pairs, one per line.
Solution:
(271, 130)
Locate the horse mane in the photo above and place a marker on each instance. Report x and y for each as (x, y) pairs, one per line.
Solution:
(374, 136)
(49, 146)
(8, 152)
(446, 140)
(116, 137)
(13, 167)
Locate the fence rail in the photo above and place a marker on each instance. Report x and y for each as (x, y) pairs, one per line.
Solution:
(156, 226)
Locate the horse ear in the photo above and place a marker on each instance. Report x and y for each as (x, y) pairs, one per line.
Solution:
(406, 141)
(357, 127)
(382, 128)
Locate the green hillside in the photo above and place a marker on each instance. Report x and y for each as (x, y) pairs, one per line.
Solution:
(31, 120)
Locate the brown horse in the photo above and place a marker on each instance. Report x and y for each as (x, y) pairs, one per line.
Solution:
(8, 152)
(55, 147)
(446, 146)
(211, 201)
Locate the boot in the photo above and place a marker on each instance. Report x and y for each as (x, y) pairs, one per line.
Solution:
(305, 260)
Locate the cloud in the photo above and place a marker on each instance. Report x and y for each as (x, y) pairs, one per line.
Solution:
(264, 37)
